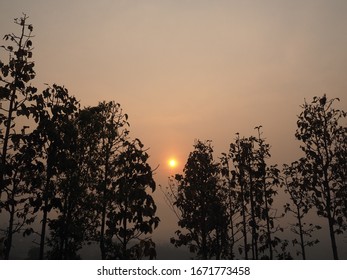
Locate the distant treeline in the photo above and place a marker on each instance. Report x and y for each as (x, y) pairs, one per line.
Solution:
(71, 176)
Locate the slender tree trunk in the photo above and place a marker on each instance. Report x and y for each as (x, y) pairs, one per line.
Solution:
(244, 223)
(43, 229)
(102, 231)
(104, 205)
(331, 222)
(203, 234)
(254, 230)
(302, 244)
(332, 236)
(63, 233)
(231, 210)
(243, 211)
(253, 225)
(68, 235)
(261, 158)
(327, 187)
(62, 241)
(6, 139)
(9, 121)
(268, 225)
(8, 245)
(45, 212)
(125, 241)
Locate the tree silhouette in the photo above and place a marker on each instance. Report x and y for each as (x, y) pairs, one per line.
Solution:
(295, 183)
(16, 200)
(104, 130)
(132, 210)
(119, 179)
(268, 180)
(68, 229)
(15, 95)
(53, 110)
(233, 208)
(199, 200)
(254, 186)
(236, 171)
(323, 142)
(69, 170)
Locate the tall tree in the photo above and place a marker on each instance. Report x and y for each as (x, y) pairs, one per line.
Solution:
(321, 133)
(255, 185)
(103, 130)
(132, 211)
(53, 110)
(237, 171)
(199, 201)
(233, 208)
(268, 182)
(68, 230)
(15, 95)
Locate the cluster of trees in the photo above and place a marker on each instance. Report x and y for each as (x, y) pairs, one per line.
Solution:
(231, 205)
(69, 175)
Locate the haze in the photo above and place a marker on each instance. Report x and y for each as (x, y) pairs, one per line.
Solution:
(186, 70)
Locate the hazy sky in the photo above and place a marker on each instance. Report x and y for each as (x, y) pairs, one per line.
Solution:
(186, 70)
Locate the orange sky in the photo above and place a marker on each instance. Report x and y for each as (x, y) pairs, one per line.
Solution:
(186, 70)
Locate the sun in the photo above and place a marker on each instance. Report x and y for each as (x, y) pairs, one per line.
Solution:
(172, 163)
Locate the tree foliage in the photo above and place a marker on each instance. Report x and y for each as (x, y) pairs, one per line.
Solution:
(132, 211)
(324, 144)
(253, 184)
(295, 183)
(66, 172)
(104, 131)
(15, 96)
(199, 201)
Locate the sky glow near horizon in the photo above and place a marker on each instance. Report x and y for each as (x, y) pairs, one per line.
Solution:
(186, 70)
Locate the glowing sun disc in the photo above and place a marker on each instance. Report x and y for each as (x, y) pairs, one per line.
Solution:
(172, 163)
